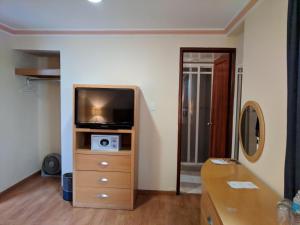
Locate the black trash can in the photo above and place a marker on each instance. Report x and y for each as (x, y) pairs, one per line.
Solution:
(68, 187)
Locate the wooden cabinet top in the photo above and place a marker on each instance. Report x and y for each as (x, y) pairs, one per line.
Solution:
(239, 206)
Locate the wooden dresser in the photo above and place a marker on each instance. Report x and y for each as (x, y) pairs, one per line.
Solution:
(105, 179)
(222, 205)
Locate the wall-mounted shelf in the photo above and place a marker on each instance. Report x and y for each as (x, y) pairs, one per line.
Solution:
(38, 73)
(37, 65)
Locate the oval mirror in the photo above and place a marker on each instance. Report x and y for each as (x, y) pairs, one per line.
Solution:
(252, 131)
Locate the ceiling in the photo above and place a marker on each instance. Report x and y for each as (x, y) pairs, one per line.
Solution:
(119, 14)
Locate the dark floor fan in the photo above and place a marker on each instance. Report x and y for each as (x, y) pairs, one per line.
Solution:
(52, 165)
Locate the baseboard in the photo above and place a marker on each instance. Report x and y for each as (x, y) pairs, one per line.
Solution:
(35, 174)
(139, 191)
(195, 194)
(155, 192)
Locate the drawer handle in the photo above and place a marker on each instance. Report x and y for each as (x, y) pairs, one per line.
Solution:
(103, 196)
(104, 164)
(103, 180)
(209, 221)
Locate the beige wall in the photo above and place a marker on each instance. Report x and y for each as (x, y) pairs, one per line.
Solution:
(150, 62)
(19, 155)
(265, 81)
(239, 40)
(29, 118)
(48, 93)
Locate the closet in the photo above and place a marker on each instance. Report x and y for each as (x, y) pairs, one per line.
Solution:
(38, 72)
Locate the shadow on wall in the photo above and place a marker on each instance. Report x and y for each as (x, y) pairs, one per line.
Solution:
(149, 151)
(67, 131)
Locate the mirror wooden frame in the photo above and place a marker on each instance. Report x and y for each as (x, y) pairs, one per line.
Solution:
(261, 143)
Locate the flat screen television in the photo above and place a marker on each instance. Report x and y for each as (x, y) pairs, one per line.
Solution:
(104, 108)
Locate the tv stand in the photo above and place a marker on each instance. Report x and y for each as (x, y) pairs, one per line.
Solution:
(105, 179)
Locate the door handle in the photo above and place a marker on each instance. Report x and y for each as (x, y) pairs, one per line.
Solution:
(103, 180)
(103, 196)
(103, 164)
(209, 124)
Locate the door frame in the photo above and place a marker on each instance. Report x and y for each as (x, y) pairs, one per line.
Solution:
(232, 53)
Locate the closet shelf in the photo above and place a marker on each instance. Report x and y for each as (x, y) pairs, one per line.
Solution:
(38, 73)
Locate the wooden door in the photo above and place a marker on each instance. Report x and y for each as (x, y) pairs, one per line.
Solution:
(220, 106)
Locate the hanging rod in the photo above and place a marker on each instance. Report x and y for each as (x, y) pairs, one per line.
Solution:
(43, 79)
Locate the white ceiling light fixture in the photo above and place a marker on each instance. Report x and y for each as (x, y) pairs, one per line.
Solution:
(95, 1)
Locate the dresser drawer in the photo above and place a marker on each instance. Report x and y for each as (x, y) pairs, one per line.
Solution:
(103, 197)
(103, 162)
(209, 215)
(94, 179)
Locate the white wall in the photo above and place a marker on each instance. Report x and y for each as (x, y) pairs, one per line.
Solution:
(29, 118)
(265, 81)
(48, 118)
(240, 48)
(150, 62)
(239, 40)
(19, 156)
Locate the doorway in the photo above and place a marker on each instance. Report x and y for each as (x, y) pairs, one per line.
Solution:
(206, 94)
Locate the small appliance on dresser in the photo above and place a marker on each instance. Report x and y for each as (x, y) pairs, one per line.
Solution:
(105, 142)
(104, 153)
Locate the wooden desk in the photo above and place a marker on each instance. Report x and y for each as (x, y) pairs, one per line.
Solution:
(222, 205)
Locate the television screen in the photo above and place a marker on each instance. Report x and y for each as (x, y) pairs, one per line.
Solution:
(104, 108)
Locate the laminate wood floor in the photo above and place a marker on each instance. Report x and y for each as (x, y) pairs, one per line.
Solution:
(38, 202)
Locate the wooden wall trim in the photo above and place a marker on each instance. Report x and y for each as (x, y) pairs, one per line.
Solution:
(6, 28)
(38, 173)
(20, 183)
(158, 192)
(114, 32)
(155, 192)
(240, 16)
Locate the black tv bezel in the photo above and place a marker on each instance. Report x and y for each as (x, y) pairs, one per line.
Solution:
(111, 126)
